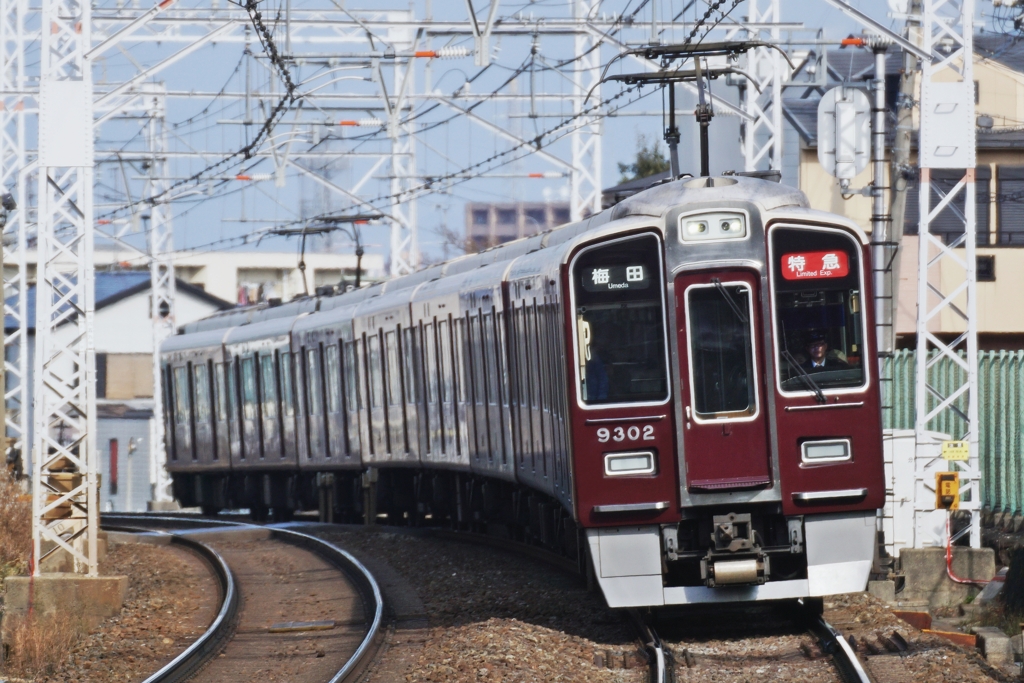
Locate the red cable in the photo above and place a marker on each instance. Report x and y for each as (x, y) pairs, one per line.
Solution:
(949, 560)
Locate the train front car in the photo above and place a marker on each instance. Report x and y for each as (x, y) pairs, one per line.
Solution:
(725, 415)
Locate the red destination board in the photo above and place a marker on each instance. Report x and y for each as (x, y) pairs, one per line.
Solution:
(815, 265)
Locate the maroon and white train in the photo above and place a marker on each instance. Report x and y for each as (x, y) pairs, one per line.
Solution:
(680, 392)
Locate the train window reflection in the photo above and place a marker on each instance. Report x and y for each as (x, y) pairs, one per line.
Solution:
(819, 326)
(201, 377)
(332, 368)
(373, 350)
(394, 369)
(269, 380)
(181, 395)
(351, 388)
(249, 388)
(222, 399)
(721, 355)
(287, 387)
(313, 399)
(620, 328)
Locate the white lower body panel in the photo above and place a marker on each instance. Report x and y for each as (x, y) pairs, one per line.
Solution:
(627, 564)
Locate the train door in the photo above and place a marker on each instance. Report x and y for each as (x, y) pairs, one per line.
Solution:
(533, 356)
(315, 404)
(462, 427)
(446, 388)
(203, 447)
(480, 445)
(353, 399)
(725, 434)
(269, 402)
(434, 427)
(234, 410)
(492, 375)
(289, 433)
(251, 441)
(182, 412)
(409, 352)
(220, 392)
(396, 408)
(335, 407)
(379, 445)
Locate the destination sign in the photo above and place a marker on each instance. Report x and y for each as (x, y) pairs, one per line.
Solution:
(615, 278)
(815, 265)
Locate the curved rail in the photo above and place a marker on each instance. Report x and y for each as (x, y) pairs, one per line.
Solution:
(182, 667)
(345, 562)
(660, 662)
(832, 642)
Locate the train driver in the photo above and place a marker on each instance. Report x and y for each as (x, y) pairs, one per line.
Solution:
(818, 358)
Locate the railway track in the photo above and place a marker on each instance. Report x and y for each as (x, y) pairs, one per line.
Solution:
(830, 650)
(265, 583)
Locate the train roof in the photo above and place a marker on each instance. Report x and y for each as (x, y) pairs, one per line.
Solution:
(655, 201)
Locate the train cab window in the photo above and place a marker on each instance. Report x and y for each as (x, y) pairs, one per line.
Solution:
(201, 384)
(620, 323)
(221, 390)
(181, 392)
(819, 322)
(314, 392)
(332, 368)
(373, 361)
(394, 369)
(287, 385)
(269, 381)
(249, 388)
(351, 387)
(720, 331)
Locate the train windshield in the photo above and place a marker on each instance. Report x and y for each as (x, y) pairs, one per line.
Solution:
(620, 328)
(819, 323)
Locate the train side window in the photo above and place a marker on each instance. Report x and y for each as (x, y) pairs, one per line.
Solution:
(428, 340)
(181, 408)
(409, 355)
(476, 345)
(201, 385)
(352, 397)
(221, 388)
(287, 385)
(719, 326)
(490, 359)
(269, 386)
(534, 353)
(249, 388)
(394, 369)
(373, 361)
(232, 390)
(619, 319)
(819, 317)
(332, 368)
(460, 358)
(313, 390)
(444, 363)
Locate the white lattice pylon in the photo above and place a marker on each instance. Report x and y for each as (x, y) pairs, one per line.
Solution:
(947, 140)
(585, 175)
(405, 255)
(13, 178)
(161, 273)
(64, 500)
(762, 133)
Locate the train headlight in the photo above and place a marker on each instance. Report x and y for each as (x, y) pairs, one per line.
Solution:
(713, 226)
(832, 450)
(637, 462)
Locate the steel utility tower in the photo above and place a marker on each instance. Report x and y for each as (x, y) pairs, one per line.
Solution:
(64, 501)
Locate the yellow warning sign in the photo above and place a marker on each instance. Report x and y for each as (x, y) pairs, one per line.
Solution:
(955, 450)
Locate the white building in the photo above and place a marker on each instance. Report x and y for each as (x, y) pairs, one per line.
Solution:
(124, 378)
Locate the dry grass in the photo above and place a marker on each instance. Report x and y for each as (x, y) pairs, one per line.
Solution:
(15, 527)
(38, 646)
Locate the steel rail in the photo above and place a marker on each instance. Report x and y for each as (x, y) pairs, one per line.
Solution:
(850, 668)
(364, 581)
(196, 655)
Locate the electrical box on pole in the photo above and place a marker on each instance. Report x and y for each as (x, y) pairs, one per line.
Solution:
(844, 132)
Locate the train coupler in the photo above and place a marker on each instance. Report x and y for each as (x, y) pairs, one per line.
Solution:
(735, 558)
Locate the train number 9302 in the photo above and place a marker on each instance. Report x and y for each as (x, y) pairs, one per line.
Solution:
(633, 433)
